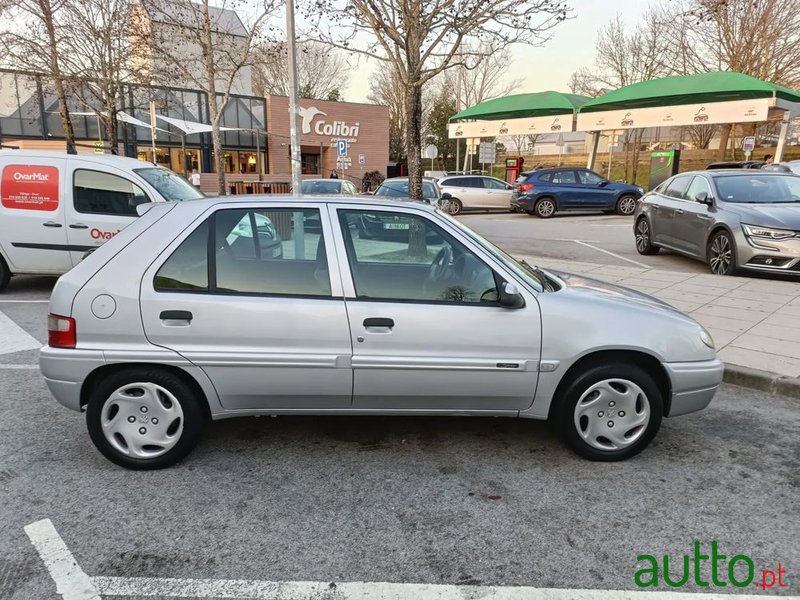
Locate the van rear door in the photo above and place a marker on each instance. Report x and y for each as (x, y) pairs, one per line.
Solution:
(33, 235)
(102, 203)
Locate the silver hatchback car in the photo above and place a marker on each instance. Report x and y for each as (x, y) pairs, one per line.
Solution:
(194, 312)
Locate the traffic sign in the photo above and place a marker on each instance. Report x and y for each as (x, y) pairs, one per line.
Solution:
(341, 147)
(748, 143)
(487, 152)
(362, 159)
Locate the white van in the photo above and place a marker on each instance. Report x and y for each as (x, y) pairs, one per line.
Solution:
(55, 206)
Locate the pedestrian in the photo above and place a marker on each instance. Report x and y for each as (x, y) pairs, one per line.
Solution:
(769, 159)
(195, 178)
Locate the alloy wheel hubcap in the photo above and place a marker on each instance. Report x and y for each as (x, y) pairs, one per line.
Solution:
(612, 414)
(642, 235)
(546, 208)
(627, 206)
(142, 420)
(452, 207)
(720, 254)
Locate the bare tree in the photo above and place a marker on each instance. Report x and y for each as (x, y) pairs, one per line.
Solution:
(321, 71)
(421, 39)
(701, 135)
(384, 89)
(203, 45)
(32, 38)
(486, 79)
(532, 139)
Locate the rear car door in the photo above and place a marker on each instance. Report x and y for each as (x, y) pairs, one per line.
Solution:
(671, 202)
(692, 220)
(102, 203)
(32, 226)
(568, 191)
(251, 294)
(456, 187)
(427, 330)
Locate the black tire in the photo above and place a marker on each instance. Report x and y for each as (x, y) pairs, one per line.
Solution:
(545, 208)
(626, 205)
(194, 416)
(454, 207)
(5, 274)
(721, 254)
(624, 374)
(644, 243)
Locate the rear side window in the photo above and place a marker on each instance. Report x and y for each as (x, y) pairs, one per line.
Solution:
(455, 182)
(677, 188)
(253, 251)
(546, 177)
(105, 194)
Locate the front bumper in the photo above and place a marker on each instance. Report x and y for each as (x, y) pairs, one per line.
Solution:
(65, 370)
(693, 385)
(768, 256)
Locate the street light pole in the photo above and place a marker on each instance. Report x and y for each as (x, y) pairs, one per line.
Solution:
(294, 115)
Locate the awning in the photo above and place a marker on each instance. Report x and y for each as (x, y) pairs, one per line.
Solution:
(191, 127)
(126, 118)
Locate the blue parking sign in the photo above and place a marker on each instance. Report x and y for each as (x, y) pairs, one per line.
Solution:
(341, 147)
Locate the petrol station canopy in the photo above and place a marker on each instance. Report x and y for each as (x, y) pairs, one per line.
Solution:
(520, 114)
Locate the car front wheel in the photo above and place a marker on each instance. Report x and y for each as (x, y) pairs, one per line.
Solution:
(722, 254)
(544, 208)
(626, 205)
(143, 419)
(610, 412)
(644, 243)
(5, 274)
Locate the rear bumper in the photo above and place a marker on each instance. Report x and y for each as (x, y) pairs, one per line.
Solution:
(522, 203)
(693, 385)
(65, 370)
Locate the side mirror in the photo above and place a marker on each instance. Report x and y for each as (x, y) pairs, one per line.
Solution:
(447, 196)
(510, 296)
(509, 186)
(704, 198)
(603, 183)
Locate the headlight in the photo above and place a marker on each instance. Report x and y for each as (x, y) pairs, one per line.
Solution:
(706, 337)
(641, 190)
(767, 233)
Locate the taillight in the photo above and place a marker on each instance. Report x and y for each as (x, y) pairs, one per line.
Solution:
(525, 187)
(61, 332)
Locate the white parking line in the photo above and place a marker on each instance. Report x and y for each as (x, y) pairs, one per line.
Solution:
(22, 300)
(73, 584)
(20, 367)
(14, 338)
(638, 264)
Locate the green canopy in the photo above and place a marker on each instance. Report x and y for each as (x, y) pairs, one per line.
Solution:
(717, 86)
(540, 104)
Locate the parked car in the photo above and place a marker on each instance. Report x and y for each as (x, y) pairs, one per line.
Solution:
(397, 187)
(736, 164)
(57, 206)
(164, 328)
(547, 191)
(476, 192)
(328, 187)
(733, 219)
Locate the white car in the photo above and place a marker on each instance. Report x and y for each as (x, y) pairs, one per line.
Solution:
(476, 192)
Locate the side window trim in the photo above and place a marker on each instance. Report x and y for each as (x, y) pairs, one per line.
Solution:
(77, 170)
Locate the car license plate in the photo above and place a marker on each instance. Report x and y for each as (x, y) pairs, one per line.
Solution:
(395, 225)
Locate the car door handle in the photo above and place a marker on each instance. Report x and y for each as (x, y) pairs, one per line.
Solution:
(678, 211)
(704, 217)
(378, 323)
(176, 315)
(51, 224)
(78, 226)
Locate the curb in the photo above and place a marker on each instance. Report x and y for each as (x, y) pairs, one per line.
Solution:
(762, 380)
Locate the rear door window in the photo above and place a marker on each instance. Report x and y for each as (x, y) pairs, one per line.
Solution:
(677, 187)
(100, 193)
(474, 182)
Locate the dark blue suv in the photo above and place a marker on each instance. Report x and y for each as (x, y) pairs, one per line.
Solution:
(547, 191)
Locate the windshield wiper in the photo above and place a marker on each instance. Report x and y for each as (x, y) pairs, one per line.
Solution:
(540, 275)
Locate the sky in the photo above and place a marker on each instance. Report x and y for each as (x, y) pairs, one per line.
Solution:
(541, 68)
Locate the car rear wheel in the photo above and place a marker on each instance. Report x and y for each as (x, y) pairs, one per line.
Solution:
(721, 254)
(644, 244)
(610, 412)
(5, 274)
(143, 419)
(626, 205)
(545, 208)
(454, 206)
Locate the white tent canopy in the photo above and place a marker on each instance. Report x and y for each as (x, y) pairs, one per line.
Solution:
(191, 127)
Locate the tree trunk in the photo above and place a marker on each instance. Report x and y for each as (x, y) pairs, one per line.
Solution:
(417, 244)
(63, 110)
(47, 16)
(723, 141)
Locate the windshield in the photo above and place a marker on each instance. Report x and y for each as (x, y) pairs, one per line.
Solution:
(331, 186)
(521, 268)
(759, 189)
(170, 185)
(399, 189)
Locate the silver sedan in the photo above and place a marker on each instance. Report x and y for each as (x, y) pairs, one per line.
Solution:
(733, 219)
(188, 315)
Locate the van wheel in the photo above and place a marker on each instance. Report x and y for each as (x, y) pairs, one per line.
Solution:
(610, 412)
(5, 274)
(144, 418)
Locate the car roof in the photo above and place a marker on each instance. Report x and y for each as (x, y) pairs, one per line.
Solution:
(203, 203)
(406, 179)
(322, 179)
(733, 172)
(99, 159)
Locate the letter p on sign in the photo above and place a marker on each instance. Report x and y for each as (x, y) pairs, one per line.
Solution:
(341, 148)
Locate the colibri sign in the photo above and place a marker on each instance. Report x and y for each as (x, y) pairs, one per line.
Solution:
(312, 121)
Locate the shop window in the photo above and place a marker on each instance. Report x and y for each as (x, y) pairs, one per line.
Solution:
(310, 164)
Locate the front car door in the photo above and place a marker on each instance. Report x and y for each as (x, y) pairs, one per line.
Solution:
(690, 224)
(498, 194)
(593, 190)
(251, 294)
(102, 204)
(427, 330)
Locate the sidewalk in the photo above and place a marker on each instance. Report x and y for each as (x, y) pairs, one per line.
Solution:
(755, 323)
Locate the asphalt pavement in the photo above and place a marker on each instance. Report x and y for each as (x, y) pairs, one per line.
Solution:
(464, 502)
